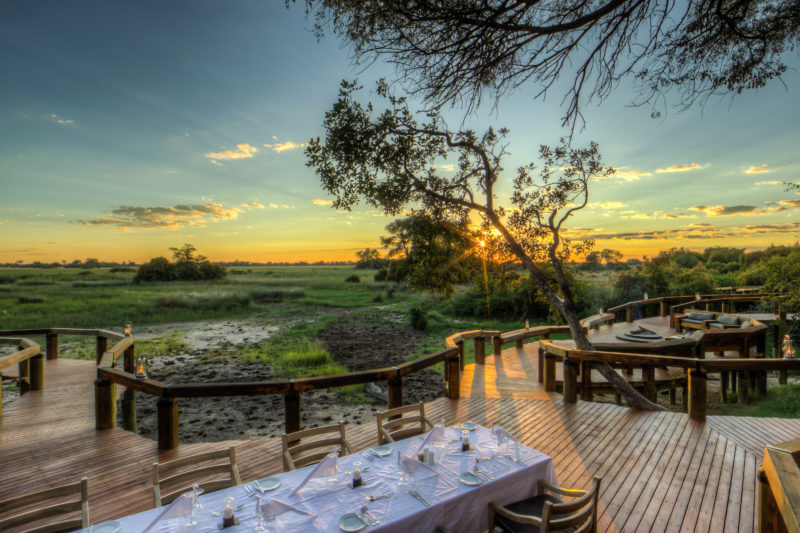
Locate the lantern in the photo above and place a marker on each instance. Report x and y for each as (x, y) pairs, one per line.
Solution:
(142, 365)
(788, 349)
(128, 330)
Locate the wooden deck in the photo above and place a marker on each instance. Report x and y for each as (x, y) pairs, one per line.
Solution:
(661, 471)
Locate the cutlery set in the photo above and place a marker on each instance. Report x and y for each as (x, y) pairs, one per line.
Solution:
(420, 497)
(387, 495)
(367, 516)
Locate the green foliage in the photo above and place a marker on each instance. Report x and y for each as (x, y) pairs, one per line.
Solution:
(115, 270)
(369, 258)
(419, 318)
(352, 279)
(186, 267)
(30, 299)
(205, 301)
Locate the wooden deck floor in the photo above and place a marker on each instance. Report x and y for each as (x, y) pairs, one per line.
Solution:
(661, 471)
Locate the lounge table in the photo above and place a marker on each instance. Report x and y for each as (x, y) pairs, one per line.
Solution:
(460, 507)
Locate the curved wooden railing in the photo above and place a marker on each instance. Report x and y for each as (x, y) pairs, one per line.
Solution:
(670, 305)
(29, 361)
(778, 494)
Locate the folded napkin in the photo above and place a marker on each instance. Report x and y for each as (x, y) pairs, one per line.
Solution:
(271, 506)
(435, 436)
(325, 468)
(501, 435)
(182, 506)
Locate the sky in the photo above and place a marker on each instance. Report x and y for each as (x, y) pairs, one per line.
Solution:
(127, 128)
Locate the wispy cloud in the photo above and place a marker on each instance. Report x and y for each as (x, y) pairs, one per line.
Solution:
(757, 170)
(722, 210)
(790, 203)
(62, 121)
(164, 217)
(609, 205)
(679, 168)
(282, 147)
(321, 201)
(255, 205)
(447, 167)
(773, 182)
(675, 216)
(625, 174)
(243, 151)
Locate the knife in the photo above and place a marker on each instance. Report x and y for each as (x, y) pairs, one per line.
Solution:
(514, 459)
(418, 496)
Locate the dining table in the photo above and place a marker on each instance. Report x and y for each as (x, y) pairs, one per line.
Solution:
(399, 493)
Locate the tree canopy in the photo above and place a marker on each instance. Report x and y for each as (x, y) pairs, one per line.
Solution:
(456, 51)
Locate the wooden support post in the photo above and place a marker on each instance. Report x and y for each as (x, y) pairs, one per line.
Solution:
(453, 378)
(783, 377)
(742, 395)
(129, 410)
(51, 346)
(37, 372)
(497, 345)
(519, 343)
(733, 378)
(460, 346)
(725, 306)
(708, 306)
(395, 392)
(629, 314)
(769, 516)
(549, 372)
(167, 423)
(778, 331)
(480, 351)
(649, 378)
(105, 404)
(685, 395)
(662, 308)
(291, 411)
(129, 360)
(570, 381)
(672, 387)
(586, 381)
(23, 372)
(102, 344)
(617, 398)
(697, 395)
(723, 386)
(761, 383)
(541, 364)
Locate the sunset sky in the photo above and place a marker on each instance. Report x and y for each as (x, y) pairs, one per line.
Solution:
(130, 127)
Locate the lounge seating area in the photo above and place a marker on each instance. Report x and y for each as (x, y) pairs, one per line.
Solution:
(708, 320)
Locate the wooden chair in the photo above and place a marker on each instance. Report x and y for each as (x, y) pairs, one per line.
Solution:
(299, 449)
(544, 513)
(393, 425)
(59, 506)
(176, 477)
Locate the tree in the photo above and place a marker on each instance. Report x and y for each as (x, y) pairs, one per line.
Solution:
(368, 258)
(455, 51)
(390, 160)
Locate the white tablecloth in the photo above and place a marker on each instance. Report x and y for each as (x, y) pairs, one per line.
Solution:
(462, 508)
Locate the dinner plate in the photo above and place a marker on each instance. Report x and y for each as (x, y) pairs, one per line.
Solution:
(381, 451)
(351, 522)
(268, 483)
(469, 425)
(107, 527)
(468, 478)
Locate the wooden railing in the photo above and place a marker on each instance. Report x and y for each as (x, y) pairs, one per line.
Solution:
(29, 361)
(671, 305)
(479, 337)
(779, 488)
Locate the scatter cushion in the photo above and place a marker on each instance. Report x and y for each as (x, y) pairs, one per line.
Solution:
(728, 320)
(691, 321)
(746, 324)
(697, 315)
(531, 507)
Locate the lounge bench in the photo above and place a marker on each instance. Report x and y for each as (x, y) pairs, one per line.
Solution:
(706, 320)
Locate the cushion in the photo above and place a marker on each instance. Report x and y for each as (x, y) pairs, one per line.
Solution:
(746, 324)
(697, 315)
(728, 320)
(718, 325)
(532, 507)
(691, 321)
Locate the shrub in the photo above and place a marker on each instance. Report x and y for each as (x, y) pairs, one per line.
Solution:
(353, 279)
(86, 273)
(30, 299)
(275, 295)
(6, 279)
(114, 270)
(381, 274)
(378, 299)
(419, 318)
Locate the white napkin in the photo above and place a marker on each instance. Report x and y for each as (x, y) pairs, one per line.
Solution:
(182, 506)
(271, 506)
(436, 435)
(502, 435)
(325, 468)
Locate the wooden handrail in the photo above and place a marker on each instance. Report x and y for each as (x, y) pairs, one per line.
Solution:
(63, 331)
(779, 489)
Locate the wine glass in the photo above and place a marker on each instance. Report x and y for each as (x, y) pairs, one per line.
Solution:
(192, 522)
(261, 527)
(332, 478)
(403, 481)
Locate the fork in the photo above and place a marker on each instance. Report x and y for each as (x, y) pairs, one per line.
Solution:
(378, 497)
(250, 491)
(368, 455)
(365, 512)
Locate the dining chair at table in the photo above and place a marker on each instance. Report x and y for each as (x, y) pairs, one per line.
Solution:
(310, 446)
(401, 422)
(210, 470)
(59, 500)
(543, 513)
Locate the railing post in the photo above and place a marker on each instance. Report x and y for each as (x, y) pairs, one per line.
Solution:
(541, 364)
(570, 381)
(460, 346)
(549, 372)
(167, 423)
(395, 392)
(742, 394)
(129, 360)
(129, 396)
(51, 345)
(628, 314)
(23, 372)
(586, 381)
(102, 344)
(453, 378)
(37, 372)
(291, 408)
(519, 343)
(723, 386)
(480, 351)
(697, 394)
(105, 404)
(768, 514)
(497, 346)
(649, 378)
(662, 308)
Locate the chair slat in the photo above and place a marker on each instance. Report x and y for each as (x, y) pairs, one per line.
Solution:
(196, 474)
(193, 460)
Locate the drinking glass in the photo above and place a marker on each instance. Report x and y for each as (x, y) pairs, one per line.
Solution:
(403, 481)
(261, 527)
(192, 522)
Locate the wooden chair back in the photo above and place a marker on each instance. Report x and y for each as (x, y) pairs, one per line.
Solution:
(214, 471)
(401, 422)
(301, 448)
(62, 502)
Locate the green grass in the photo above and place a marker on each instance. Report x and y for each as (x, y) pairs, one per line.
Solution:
(782, 401)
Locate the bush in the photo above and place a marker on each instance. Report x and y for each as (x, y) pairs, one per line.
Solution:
(380, 275)
(122, 269)
(6, 279)
(30, 299)
(160, 269)
(353, 279)
(419, 318)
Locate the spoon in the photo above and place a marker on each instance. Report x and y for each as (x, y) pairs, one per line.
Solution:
(387, 495)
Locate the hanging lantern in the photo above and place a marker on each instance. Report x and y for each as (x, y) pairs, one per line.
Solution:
(788, 349)
(142, 365)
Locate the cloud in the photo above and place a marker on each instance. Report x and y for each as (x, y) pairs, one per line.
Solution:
(166, 217)
(773, 182)
(757, 170)
(282, 147)
(609, 205)
(274, 206)
(243, 151)
(321, 201)
(255, 205)
(679, 168)
(675, 216)
(625, 174)
(721, 210)
(447, 167)
(63, 122)
(790, 203)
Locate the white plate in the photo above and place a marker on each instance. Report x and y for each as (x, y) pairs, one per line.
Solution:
(469, 426)
(351, 522)
(381, 451)
(107, 527)
(468, 478)
(268, 483)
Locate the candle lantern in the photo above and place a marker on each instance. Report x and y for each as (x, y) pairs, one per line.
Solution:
(697, 296)
(788, 349)
(646, 297)
(128, 330)
(142, 365)
(527, 324)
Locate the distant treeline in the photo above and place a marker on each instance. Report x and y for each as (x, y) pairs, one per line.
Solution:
(94, 263)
